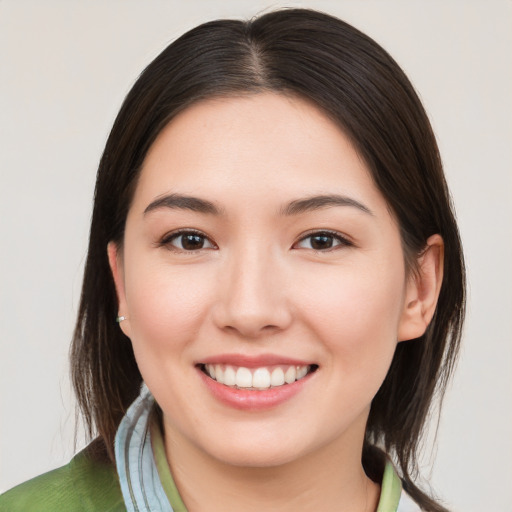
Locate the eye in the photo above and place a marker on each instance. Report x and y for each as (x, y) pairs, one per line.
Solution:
(188, 241)
(322, 241)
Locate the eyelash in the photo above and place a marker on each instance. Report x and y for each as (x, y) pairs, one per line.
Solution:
(169, 238)
(343, 241)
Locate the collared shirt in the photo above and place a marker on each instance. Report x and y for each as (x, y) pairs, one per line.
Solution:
(392, 497)
(146, 481)
(141, 481)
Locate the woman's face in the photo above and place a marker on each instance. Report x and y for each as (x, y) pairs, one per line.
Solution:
(263, 279)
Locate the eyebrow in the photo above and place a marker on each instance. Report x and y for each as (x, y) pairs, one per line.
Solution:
(296, 207)
(181, 202)
(322, 201)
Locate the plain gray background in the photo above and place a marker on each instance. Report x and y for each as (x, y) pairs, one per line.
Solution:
(65, 67)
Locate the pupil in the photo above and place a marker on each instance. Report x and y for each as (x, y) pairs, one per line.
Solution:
(192, 242)
(321, 242)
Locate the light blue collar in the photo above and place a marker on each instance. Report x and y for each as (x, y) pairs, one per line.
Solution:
(136, 467)
(140, 481)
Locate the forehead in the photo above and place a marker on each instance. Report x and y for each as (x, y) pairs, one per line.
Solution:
(264, 143)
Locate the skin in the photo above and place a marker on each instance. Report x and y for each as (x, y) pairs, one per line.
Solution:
(257, 286)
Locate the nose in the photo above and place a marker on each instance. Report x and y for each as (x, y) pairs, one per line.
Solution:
(253, 301)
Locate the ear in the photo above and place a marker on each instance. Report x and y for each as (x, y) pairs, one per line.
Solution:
(115, 260)
(422, 291)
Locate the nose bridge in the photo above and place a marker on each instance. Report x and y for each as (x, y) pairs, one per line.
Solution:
(253, 299)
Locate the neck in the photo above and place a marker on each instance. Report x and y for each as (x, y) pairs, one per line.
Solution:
(331, 479)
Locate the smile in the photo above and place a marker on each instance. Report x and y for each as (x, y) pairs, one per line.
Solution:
(262, 378)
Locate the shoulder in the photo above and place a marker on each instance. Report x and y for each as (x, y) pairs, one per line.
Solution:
(83, 485)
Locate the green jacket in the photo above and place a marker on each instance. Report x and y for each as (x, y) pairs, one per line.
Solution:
(83, 485)
(86, 485)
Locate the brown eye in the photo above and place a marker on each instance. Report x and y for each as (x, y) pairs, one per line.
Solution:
(319, 242)
(322, 241)
(189, 241)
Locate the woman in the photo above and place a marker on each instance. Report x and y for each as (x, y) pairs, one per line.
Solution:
(273, 232)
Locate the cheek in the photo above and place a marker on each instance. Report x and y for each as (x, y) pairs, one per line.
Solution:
(355, 316)
(356, 309)
(166, 305)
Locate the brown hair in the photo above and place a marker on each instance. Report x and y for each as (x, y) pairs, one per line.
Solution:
(351, 78)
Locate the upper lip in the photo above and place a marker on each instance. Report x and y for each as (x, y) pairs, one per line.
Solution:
(253, 361)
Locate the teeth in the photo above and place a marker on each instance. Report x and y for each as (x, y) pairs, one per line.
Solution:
(290, 375)
(256, 378)
(229, 376)
(301, 372)
(261, 378)
(243, 378)
(277, 378)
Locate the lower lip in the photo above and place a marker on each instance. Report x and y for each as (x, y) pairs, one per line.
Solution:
(250, 399)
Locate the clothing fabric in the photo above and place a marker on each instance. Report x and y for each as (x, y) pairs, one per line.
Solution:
(83, 485)
(145, 483)
(141, 480)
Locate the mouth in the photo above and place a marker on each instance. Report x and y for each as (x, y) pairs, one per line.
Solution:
(256, 379)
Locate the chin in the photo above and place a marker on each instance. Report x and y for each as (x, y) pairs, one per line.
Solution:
(250, 458)
(257, 451)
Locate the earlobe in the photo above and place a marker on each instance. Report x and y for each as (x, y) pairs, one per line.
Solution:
(116, 267)
(422, 291)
